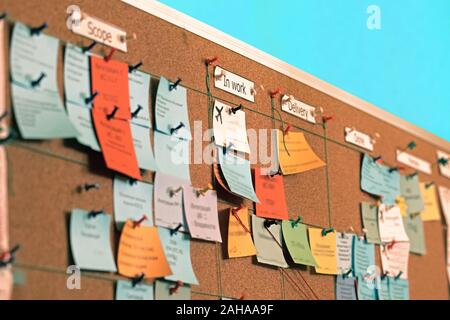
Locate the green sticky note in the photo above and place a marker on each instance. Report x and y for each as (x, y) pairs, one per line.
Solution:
(162, 291)
(410, 190)
(414, 229)
(369, 215)
(296, 240)
(126, 291)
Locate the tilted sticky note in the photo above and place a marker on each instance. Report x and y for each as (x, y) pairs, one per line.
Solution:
(240, 243)
(38, 107)
(140, 251)
(444, 196)
(394, 259)
(126, 291)
(295, 154)
(345, 288)
(177, 248)
(399, 289)
(163, 291)
(383, 288)
(344, 252)
(143, 147)
(363, 257)
(90, 241)
(369, 215)
(390, 224)
(270, 192)
(296, 239)
(366, 289)
(414, 230)
(410, 190)
(323, 249)
(431, 211)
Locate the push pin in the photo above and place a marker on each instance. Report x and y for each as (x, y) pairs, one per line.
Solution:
(89, 47)
(94, 214)
(210, 61)
(8, 257)
(139, 222)
(377, 159)
(411, 146)
(325, 119)
(90, 186)
(138, 279)
(37, 30)
(399, 275)
(275, 92)
(443, 161)
(384, 275)
(234, 212)
(113, 113)
(177, 228)
(326, 231)
(110, 54)
(175, 84)
(173, 192)
(3, 15)
(286, 130)
(394, 169)
(253, 91)
(274, 173)
(429, 185)
(174, 289)
(37, 82)
(131, 69)
(412, 175)
(90, 99)
(174, 130)
(123, 38)
(227, 148)
(219, 76)
(269, 223)
(4, 115)
(202, 192)
(347, 274)
(132, 181)
(390, 245)
(296, 222)
(135, 113)
(236, 109)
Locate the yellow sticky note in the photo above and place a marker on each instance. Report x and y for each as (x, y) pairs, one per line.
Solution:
(323, 248)
(295, 154)
(431, 211)
(240, 243)
(401, 203)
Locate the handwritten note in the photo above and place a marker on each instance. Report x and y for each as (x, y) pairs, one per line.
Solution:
(270, 192)
(344, 251)
(296, 239)
(126, 291)
(140, 251)
(163, 292)
(394, 259)
(240, 243)
(177, 248)
(172, 156)
(369, 215)
(410, 190)
(363, 256)
(431, 211)
(323, 249)
(38, 107)
(345, 288)
(444, 195)
(295, 154)
(201, 214)
(390, 224)
(90, 241)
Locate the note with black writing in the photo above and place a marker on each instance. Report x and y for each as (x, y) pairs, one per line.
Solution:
(363, 257)
(410, 188)
(431, 212)
(366, 288)
(394, 259)
(323, 249)
(240, 242)
(172, 156)
(399, 289)
(345, 288)
(125, 290)
(270, 192)
(344, 252)
(390, 224)
(369, 213)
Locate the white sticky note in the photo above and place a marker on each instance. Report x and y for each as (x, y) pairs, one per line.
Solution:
(390, 223)
(394, 259)
(444, 197)
(344, 251)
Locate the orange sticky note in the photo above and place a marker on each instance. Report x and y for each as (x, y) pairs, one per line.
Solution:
(295, 154)
(140, 251)
(110, 81)
(240, 243)
(270, 192)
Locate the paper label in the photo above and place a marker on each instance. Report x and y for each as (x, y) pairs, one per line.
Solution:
(234, 84)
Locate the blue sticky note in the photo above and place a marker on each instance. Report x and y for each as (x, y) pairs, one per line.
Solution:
(82, 121)
(132, 200)
(177, 249)
(171, 110)
(90, 241)
(378, 180)
(38, 109)
(172, 156)
(366, 289)
(126, 291)
(237, 174)
(399, 289)
(383, 289)
(363, 257)
(139, 86)
(143, 147)
(345, 288)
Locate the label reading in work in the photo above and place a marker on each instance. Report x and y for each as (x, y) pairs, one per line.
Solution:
(234, 84)
(413, 162)
(358, 138)
(299, 109)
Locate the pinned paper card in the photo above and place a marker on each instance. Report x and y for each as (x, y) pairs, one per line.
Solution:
(298, 108)
(165, 290)
(380, 180)
(444, 196)
(394, 259)
(125, 290)
(390, 224)
(90, 241)
(295, 154)
(6, 282)
(383, 288)
(414, 162)
(431, 211)
(270, 192)
(172, 156)
(132, 200)
(230, 128)
(139, 84)
(399, 289)
(168, 200)
(38, 107)
(4, 223)
(201, 214)
(268, 243)
(363, 257)
(3, 124)
(237, 174)
(359, 139)
(444, 163)
(177, 248)
(369, 215)
(140, 251)
(171, 110)
(345, 288)
(296, 239)
(234, 84)
(344, 251)
(323, 249)
(401, 203)
(240, 243)
(143, 147)
(414, 230)
(448, 254)
(410, 190)
(366, 289)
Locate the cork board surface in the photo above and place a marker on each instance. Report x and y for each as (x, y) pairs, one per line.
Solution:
(44, 176)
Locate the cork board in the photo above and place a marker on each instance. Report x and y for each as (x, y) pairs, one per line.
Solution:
(44, 176)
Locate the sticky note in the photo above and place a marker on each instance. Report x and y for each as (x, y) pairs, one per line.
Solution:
(6, 281)
(268, 243)
(344, 252)
(38, 110)
(140, 251)
(126, 291)
(162, 291)
(366, 289)
(431, 211)
(399, 289)
(345, 288)
(143, 147)
(448, 253)
(444, 196)
(201, 214)
(4, 229)
(363, 257)
(90, 241)
(229, 128)
(376, 179)
(236, 171)
(394, 259)
(296, 240)
(295, 154)
(139, 86)
(172, 156)
(323, 249)
(3, 124)
(270, 192)
(177, 248)
(168, 200)
(383, 288)
(369, 215)
(171, 110)
(81, 118)
(240, 243)
(390, 224)
(132, 200)
(410, 190)
(414, 230)
(401, 203)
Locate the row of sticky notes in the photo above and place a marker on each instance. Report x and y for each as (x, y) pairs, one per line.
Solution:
(160, 290)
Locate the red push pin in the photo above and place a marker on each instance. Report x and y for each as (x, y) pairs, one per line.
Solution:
(242, 297)
(391, 245)
(286, 131)
(275, 92)
(210, 61)
(110, 54)
(139, 222)
(325, 119)
(174, 290)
